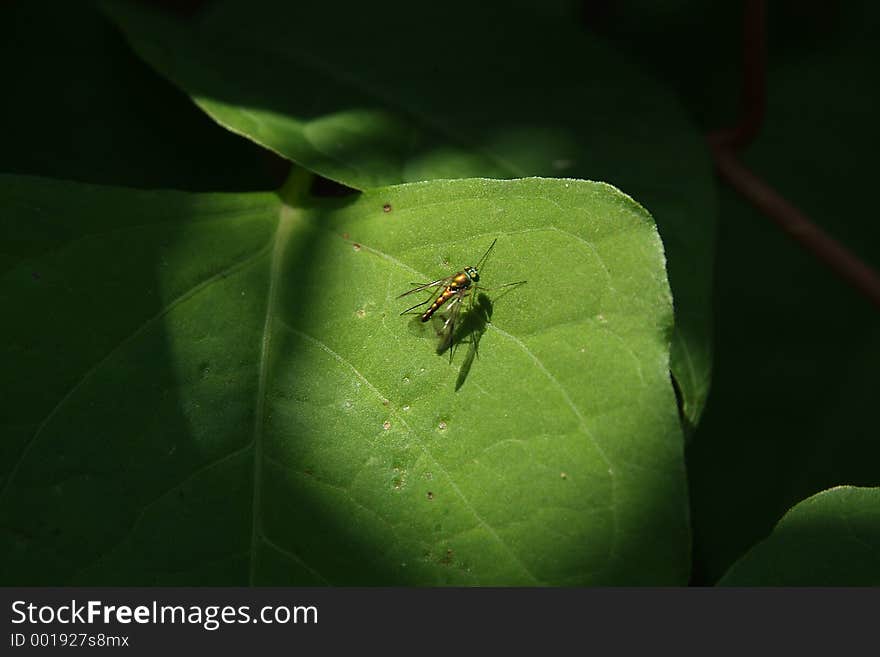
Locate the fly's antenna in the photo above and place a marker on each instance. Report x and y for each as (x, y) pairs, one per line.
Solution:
(482, 261)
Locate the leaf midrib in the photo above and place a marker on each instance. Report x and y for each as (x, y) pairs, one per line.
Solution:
(280, 241)
(241, 264)
(287, 217)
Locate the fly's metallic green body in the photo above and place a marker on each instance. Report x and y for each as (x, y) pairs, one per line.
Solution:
(450, 292)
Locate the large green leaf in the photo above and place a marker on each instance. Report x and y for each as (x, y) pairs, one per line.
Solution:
(365, 95)
(219, 389)
(830, 539)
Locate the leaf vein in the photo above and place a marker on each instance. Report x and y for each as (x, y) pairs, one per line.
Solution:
(237, 266)
(154, 501)
(293, 557)
(480, 520)
(583, 426)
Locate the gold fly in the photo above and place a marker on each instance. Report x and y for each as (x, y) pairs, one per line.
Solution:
(450, 292)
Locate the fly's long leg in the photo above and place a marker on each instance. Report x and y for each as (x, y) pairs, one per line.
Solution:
(454, 310)
(498, 287)
(411, 308)
(447, 298)
(475, 336)
(440, 282)
(433, 286)
(505, 287)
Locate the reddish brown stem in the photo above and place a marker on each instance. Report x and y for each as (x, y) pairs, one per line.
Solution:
(725, 142)
(754, 88)
(797, 225)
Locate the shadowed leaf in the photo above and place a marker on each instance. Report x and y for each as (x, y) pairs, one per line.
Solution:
(829, 539)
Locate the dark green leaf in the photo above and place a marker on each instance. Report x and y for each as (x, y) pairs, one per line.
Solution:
(830, 539)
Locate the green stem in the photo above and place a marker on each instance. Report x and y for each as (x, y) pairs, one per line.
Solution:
(295, 189)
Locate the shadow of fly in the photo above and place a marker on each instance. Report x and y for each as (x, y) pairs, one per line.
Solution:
(449, 294)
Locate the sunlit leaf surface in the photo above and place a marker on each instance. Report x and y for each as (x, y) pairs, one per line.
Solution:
(219, 389)
(369, 96)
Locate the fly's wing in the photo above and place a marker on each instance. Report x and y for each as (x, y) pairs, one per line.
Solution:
(424, 286)
(446, 332)
(436, 288)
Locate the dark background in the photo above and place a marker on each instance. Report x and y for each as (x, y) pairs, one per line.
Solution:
(797, 351)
